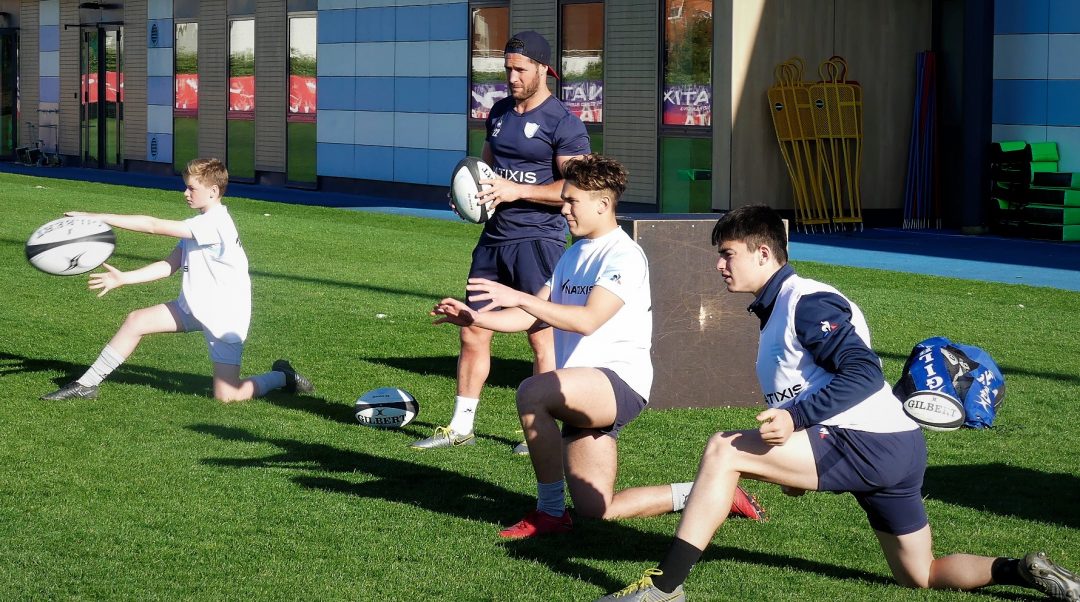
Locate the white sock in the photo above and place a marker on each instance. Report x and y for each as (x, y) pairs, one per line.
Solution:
(550, 498)
(464, 414)
(679, 493)
(102, 367)
(268, 381)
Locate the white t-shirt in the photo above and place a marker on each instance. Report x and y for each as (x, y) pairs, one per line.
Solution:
(216, 288)
(616, 263)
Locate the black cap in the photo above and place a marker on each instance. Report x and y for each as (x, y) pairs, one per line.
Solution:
(534, 46)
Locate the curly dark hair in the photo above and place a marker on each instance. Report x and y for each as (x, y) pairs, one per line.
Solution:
(596, 172)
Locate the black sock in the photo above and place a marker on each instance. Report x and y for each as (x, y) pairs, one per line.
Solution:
(1006, 571)
(676, 566)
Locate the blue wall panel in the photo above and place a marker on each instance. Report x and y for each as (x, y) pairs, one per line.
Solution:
(1064, 16)
(1021, 16)
(1062, 106)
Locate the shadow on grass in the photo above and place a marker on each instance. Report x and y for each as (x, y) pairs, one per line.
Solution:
(128, 374)
(504, 372)
(445, 492)
(1007, 491)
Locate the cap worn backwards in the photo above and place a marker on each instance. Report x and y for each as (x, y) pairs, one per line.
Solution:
(533, 46)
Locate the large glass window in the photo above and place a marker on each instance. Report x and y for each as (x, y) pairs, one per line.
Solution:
(581, 54)
(487, 77)
(688, 54)
(686, 107)
(240, 139)
(186, 99)
(300, 120)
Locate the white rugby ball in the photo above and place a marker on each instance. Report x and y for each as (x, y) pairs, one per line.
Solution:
(70, 245)
(465, 183)
(934, 410)
(386, 407)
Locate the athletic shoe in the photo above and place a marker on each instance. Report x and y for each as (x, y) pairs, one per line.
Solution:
(644, 591)
(1049, 578)
(538, 523)
(72, 390)
(747, 506)
(444, 437)
(522, 449)
(294, 381)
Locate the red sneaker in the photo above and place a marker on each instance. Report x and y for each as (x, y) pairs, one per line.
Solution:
(747, 506)
(538, 523)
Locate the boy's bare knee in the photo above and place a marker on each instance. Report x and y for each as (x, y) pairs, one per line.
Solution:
(530, 393)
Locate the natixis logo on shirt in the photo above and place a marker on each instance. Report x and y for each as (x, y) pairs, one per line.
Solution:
(576, 289)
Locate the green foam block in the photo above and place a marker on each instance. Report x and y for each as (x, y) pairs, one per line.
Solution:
(1056, 180)
(1044, 151)
(1042, 166)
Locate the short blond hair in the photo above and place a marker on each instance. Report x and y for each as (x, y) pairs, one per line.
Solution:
(209, 172)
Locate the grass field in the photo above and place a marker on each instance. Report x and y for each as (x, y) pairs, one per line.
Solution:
(156, 492)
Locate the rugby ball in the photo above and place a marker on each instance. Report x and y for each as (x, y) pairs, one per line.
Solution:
(387, 408)
(70, 245)
(934, 410)
(465, 183)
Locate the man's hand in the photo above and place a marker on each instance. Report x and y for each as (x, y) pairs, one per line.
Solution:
(501, 191)
(500, 295)
(107, 280)
(776, 426)
(452, 311)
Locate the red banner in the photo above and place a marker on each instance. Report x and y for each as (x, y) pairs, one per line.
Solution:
(113, 89)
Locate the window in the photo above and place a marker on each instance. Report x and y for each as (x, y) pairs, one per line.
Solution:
(686, 107)
(186, 95)
(300, 119)
(240, 139)
(487, 77)
(687, 90)
(581, 65)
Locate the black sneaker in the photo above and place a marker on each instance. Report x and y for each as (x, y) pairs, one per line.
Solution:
(294, 381)
(72, 390)
(1051, 579)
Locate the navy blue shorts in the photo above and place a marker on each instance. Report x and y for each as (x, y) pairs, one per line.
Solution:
(628, 404)
(524, 266)
(884, 471)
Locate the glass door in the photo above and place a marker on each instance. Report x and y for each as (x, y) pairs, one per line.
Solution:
(102, 91)
(9, 92)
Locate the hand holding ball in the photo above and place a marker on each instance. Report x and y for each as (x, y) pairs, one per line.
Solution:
(464, 186)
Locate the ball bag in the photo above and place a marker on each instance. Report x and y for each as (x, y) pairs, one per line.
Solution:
(962, 371)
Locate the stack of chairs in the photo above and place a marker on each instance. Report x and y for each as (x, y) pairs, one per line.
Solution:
(1031, 198)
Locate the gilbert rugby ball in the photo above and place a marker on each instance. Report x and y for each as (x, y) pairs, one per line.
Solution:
(934, 410)
(70, 245)
(386, 407)
(465, 183)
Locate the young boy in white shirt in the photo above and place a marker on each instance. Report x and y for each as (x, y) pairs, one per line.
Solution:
(215, 293)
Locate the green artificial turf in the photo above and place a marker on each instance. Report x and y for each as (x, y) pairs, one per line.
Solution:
(155, 491)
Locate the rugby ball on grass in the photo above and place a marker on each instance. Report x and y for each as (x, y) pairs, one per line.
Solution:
(70, 245)
(465, 183)
(934, 410)
(387, 408)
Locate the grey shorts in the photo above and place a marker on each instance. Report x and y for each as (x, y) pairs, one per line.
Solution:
(628, 404)
(220, 351)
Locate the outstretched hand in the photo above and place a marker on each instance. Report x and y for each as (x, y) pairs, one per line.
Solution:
(776, 426)
(452, 311)
(500, 295)
(107, 280)
(75, 213)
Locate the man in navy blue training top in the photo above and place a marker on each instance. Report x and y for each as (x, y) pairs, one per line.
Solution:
(832, 424)
(530, 135)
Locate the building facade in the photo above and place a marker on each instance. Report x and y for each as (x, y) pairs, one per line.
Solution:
(385, 96)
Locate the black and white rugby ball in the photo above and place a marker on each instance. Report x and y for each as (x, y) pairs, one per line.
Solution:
(465, 183)
(386, 407)
(70, 245)
(934, 410)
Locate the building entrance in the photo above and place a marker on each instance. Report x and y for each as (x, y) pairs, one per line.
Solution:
(101, 114)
